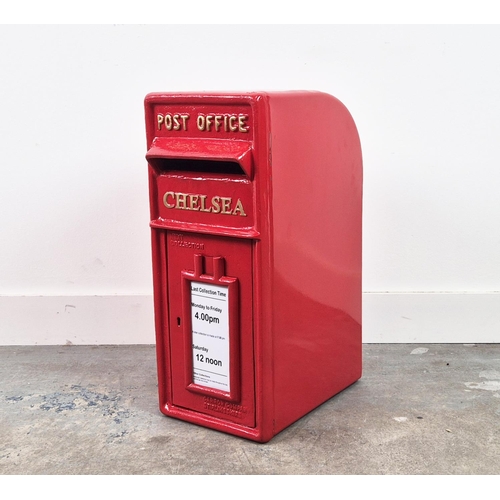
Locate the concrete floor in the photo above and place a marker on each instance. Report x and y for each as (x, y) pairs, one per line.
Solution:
(419, 409)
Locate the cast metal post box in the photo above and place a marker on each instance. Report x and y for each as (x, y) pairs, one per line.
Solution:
(256, 205)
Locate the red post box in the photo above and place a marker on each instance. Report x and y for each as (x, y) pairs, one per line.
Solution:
(256, 239)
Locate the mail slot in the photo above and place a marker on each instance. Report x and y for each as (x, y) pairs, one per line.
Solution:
(255, 205)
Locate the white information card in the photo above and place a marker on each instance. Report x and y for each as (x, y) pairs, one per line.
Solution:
(210, 334)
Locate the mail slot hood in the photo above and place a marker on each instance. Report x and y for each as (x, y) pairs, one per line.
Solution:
(206, 150)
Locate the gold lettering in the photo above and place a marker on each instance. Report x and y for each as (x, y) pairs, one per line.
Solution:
(177, 125)
(238, 209)
(168, 121)
(180, 201)
(203, 199)
(204, 123)
(232, 127)
(193, 202)
(216, 204)
(200, 122)
(241, 123)
(165, 196)
(226, 205)
(217, 119)
(184, 118)
(208, 122)
(173, 121)
(198, 203)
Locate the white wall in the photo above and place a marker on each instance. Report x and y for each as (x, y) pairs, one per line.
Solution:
(75, 248)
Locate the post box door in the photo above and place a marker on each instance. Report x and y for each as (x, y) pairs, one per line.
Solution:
(210, 323)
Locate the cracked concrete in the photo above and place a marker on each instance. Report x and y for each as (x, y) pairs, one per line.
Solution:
(432, 409)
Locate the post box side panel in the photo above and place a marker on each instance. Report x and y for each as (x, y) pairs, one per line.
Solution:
(316, 206)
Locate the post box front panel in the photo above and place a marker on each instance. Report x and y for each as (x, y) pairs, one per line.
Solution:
(211, 329)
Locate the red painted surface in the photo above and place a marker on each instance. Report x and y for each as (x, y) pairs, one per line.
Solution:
(261, 192)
